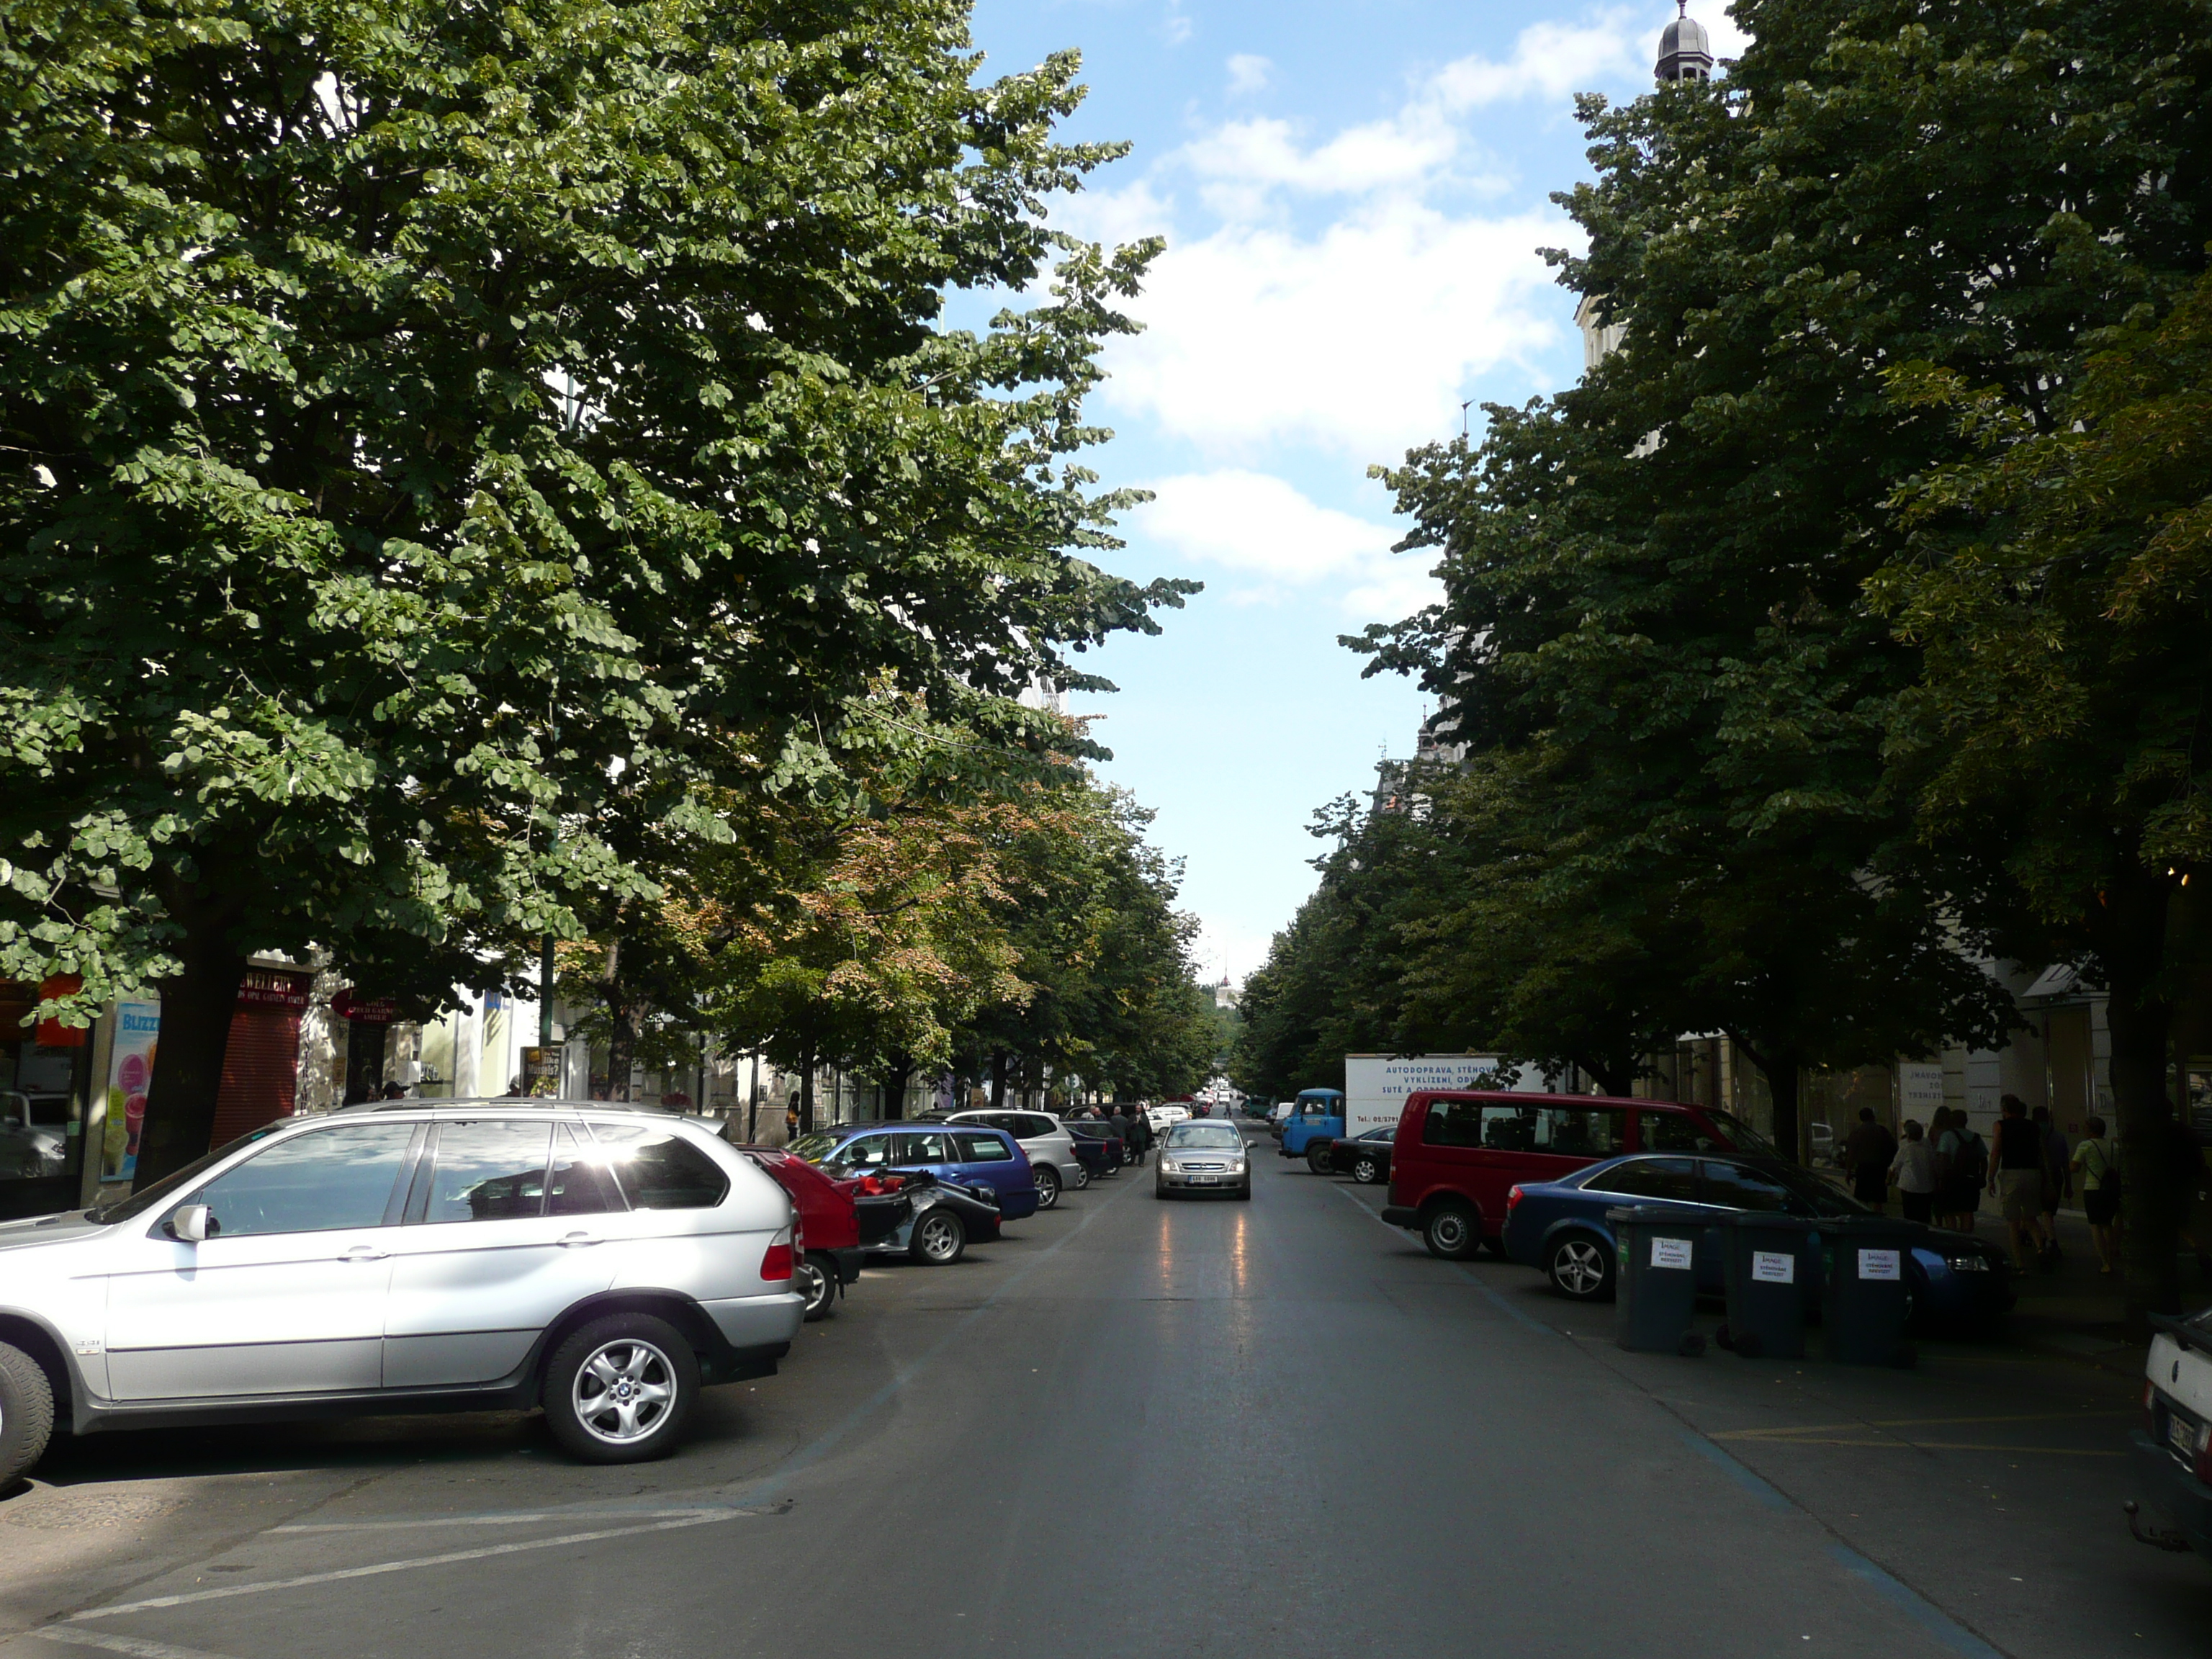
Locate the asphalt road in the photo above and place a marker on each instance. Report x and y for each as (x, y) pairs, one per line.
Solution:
(1141, 1427)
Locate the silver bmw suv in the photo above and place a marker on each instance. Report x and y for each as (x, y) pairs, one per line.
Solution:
(603, 1262)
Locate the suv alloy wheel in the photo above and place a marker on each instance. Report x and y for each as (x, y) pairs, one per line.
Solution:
(620, 1389)
(1048, 1186)
(815, 1277)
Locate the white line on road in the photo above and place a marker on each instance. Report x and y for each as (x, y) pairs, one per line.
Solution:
(138, 1646)
(223, 1592)
(518, 1519)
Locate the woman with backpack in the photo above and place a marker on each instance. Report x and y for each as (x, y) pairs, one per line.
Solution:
(1962, 1163)
(2016, 1177)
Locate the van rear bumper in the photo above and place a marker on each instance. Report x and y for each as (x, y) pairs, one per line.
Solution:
(1399, 1216)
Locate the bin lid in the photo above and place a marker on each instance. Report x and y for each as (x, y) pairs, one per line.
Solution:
(1766, 1221)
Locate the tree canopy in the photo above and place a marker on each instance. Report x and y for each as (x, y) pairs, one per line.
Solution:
(435, 438)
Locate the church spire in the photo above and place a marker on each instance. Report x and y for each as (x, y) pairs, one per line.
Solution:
(1685, 52)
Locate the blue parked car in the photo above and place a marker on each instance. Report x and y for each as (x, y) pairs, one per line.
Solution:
(1559, 1227)
(1317, 1115)
(967, 1154)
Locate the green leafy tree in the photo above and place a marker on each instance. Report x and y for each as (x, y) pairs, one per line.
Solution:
(1655, 580)
(431, 435)
(2059, 585)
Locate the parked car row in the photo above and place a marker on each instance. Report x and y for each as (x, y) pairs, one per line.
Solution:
(602, 1261)
(1532, 1176)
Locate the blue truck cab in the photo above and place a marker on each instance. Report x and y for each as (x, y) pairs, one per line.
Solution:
(1318, 1115)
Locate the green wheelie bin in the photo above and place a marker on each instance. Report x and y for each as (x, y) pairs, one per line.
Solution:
(1867, 1299)
(1770, 1262)
(1655, 1279)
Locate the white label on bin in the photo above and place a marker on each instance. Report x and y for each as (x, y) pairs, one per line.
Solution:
(1881, 1264)
(1774, 1267)
(1671, 1252)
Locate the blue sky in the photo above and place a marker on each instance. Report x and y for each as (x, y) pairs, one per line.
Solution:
(1352, 197)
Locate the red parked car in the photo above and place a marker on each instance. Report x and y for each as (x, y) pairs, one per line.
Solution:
(1458, 1154)
(837, 1221)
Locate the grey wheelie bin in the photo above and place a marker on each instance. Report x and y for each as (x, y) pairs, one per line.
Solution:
(1867, 1300)
(1769, 1261)
(1656, 1280)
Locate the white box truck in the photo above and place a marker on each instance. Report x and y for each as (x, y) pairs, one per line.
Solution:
(1375, 1086)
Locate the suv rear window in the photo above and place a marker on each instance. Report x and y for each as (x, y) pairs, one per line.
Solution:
(982, 1148)
(660, 1170)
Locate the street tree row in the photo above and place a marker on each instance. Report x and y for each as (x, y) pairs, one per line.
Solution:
(450, 452)
(1848, 623)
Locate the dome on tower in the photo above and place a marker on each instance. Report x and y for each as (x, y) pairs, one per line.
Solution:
(1686, 52)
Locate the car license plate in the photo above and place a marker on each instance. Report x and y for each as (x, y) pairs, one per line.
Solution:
(1205, 1181)
(2182, 1433)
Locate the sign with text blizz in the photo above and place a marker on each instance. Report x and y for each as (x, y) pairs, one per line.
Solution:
(1375, 1086)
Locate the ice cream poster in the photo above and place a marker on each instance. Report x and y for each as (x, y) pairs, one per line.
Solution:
(130, 1073)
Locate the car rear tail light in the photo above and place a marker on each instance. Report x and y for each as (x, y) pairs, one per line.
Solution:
(2151, 1410)
(776, 1264)
(2200, 1464)
(1511, 1199)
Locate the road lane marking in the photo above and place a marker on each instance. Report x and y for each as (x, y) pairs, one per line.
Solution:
(1919, 1423)
(1497, 1298)
(225, 1592)
(1894, 1444)
(138, 1646)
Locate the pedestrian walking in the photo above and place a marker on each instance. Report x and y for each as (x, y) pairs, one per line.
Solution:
(1118, 1126)
(2058, 1181)
(2016, 1177)
(1868, 1151)
(1913, 1172)
(1140, 1136)
(2098, 1164)
(1962, 1162)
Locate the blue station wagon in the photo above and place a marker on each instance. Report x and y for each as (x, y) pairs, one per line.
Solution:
(968, 1154)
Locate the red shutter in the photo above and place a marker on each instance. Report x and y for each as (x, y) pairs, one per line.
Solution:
(260, 1071)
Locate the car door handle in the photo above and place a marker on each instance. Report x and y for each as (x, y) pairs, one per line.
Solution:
(577, 1240)
(364, 1253)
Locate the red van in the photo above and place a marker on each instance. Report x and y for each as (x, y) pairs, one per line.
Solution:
(1458, 1153)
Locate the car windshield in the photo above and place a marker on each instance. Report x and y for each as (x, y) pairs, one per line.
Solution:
(815, 1148)
(1214, 1137)
(1741, 1135)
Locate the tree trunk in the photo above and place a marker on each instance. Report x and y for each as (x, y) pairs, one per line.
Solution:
(807, 1093)
(1614, 1078)
(621, 1047)
(2129, 929)
(1780, 1067)
(196, 1005)
(999, 1080)
(893, 1083)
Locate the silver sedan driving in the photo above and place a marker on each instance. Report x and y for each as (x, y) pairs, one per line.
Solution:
(1203, 1157)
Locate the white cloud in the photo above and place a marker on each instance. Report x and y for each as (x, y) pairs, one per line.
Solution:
(1261, 526)
(1177, 28)
(1357, 339)
(1248, 73)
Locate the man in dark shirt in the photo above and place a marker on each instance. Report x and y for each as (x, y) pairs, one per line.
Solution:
(1868, 1151)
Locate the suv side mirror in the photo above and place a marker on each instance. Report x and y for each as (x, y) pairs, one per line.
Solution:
(190, 1223)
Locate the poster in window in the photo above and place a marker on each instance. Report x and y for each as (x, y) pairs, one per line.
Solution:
(129, 1074)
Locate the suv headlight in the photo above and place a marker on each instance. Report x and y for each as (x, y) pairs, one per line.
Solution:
(1967, 1264)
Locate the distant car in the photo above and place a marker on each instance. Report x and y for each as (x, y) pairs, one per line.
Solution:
(1050, 1148)
(1365, 1159)
(2173, 1449)
(1278, 1116)
(1559, 1228)
(959, 1154)
(1822, 1141)
(1162, 1118)
(33, 1135)
(1203, 1157)
(1094, 1142)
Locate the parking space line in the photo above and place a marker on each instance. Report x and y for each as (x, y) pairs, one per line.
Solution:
(225, 1592)
(519, 1518)
(138, 1646)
